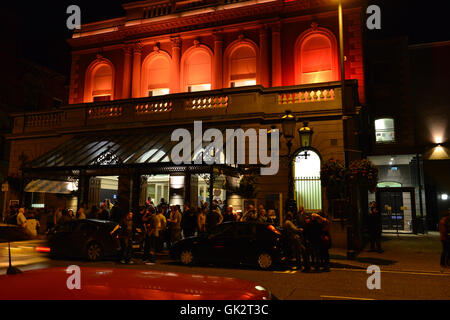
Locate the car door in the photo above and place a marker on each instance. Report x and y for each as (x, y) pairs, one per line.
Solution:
(81, 235)
(220, 244)
(245, 242)
(61, 239)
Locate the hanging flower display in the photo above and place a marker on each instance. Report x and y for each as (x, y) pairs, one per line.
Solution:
(363, 172)
(332, 176)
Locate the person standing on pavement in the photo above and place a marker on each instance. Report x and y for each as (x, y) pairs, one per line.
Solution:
(213, 218)
(294, 238)
(374, 227)
(80, 214)
(325, 244)
(126, 237)
(228, 215)
(22, 222)
(251, 215)
(174, 225)
(152, 225)
(189, 221)
(313, 235)
(161, 229)
(201, 220)
(444, 230)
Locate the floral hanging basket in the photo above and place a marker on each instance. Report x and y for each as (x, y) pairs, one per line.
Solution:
(364, 173)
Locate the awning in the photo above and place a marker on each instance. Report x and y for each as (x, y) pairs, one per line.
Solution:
(50, 186)
(113, 149)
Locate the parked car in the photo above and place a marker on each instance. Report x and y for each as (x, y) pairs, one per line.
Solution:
(126, 284)
(249, 243)
(87, 239)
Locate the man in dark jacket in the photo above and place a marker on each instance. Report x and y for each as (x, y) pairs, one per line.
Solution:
(189, 221)
(151, 226)
(313, 238)
(374, 227)
(213, 218)
(293, 235)
(126, 237)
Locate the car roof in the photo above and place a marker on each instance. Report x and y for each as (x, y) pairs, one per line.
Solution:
(122, 283)
(95, 221)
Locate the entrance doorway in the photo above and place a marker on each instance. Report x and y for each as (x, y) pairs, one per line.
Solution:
(308, 188)
(398, 209)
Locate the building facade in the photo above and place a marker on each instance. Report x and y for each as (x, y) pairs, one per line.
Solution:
(165, 64)
(408, 107)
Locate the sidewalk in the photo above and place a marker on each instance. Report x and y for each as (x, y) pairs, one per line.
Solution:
(414, 253)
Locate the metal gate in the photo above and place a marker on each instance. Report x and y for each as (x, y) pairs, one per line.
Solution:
(308, 192)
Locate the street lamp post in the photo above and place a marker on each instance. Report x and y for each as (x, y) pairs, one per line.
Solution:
(288, 125)
(305, 133)
(342, 63)
(351, 253)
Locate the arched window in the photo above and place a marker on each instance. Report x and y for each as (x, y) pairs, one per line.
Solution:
(197, 69)
(384, 130)
(308, 188)
(99, 85)
(156, 75)
(242, 67)
(316, 57)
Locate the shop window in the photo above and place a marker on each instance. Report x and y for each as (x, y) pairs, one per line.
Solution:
(156, 75)
(384, 130)
(197, 70)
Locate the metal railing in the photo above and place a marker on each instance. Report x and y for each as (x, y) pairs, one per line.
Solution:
(228, 102)
(308, 192)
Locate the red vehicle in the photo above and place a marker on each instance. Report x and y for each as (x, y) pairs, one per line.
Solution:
(125, 284)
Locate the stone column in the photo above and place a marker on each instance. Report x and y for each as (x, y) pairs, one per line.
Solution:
(74, 81)
(218, 61)
(144, 185)
(124, 194)
(126, 88)
(194, 190)
(175, 65)
(177, 188)
(276, 55)
(136, 82)
(264, 74)
(83, 189)
(136, 192)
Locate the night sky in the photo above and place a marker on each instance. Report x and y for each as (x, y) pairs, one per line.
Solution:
(41, 25)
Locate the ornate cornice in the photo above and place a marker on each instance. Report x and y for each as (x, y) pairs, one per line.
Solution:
(176, 41)
(218, 18)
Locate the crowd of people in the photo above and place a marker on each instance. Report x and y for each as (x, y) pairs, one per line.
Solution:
(37, 221)
(310, 240)
(163, 224)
